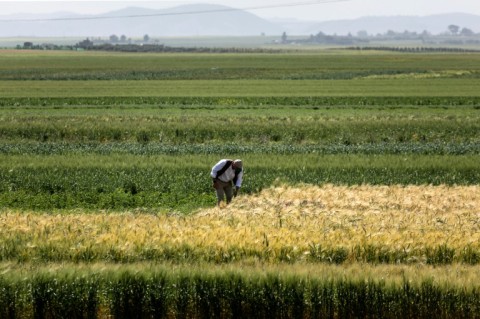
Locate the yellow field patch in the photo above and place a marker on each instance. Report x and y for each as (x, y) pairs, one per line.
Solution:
(393, 216)
(279, 223)
(424, 75)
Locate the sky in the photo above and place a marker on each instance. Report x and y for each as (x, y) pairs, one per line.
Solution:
(310, 10)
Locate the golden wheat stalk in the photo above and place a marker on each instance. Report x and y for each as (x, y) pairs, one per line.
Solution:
(393, 218)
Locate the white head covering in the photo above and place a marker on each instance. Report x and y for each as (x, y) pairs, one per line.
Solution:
(238, 163)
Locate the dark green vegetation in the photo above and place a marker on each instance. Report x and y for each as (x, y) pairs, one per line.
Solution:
(161, 292)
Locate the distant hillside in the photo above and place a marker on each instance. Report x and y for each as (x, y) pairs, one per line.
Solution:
(175, 21)
(215, 20)
(434, 24)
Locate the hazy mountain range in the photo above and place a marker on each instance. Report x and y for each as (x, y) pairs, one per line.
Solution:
(213, 20)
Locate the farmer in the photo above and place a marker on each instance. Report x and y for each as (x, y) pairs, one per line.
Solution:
(224, 173)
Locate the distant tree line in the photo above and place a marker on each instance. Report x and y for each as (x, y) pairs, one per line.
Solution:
(164, 48)
(413, 49)
(454, 35)
(90, 45)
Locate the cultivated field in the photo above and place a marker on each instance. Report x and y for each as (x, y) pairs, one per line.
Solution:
(361, 194)
(334, 224)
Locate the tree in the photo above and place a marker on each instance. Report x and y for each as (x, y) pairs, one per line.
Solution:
(113, 38)
(284, 37)
(85, 44)
(146, 38)
(362, 34)
(453, 29)
(391, 33)
(466, 32)
(123, 38)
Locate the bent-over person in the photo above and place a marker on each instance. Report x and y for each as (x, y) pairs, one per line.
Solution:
(227, 176)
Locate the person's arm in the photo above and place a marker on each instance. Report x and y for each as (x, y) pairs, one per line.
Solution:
(239, 180)
(238, 183)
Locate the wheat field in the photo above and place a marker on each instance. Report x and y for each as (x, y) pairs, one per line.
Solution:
(392, 224)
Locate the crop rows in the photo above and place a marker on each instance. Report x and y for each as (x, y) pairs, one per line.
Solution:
(331, 64)
(127, 292)
(256, 102)
(269, 266)
(227, 74)
(360, 196)
(153, 149)
(339, 224)
(368, 87)
(183, 182)
(241, 129)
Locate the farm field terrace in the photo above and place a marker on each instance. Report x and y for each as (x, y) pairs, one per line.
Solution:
(360, 199)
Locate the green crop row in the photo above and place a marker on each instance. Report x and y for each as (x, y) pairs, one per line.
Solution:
(183, 182)
(421, 87)
(202, 293)
(153, 149)
(222, 74)
(20, 249)
(256, 102)
(243, 130)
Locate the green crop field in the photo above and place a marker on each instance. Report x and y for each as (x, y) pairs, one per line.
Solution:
(360, 199)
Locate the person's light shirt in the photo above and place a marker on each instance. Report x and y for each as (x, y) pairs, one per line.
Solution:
(228, 175)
